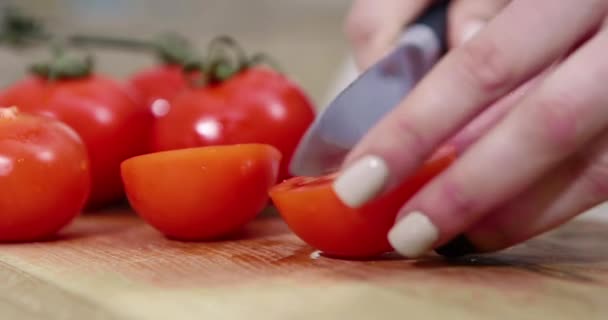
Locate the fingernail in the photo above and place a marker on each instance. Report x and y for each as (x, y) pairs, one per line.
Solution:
(470, 29)
(414, 235)
(459, 246)
(362, 181)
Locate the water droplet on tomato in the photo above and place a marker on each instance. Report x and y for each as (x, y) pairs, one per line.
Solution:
(160, 107)
(45, 156)
(277, 111)
(6, 166)
(103, 115)
(208, 129)
(315, 255)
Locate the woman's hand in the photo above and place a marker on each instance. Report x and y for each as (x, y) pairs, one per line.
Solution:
(526, 95)
(374, 26)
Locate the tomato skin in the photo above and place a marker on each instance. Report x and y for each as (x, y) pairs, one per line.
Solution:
(163, 81)
(257, 105)
(201, 193)
(113, 126)
(44, 177)
(315, 214)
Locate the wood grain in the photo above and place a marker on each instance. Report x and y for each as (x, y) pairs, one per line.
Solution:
(110, 265)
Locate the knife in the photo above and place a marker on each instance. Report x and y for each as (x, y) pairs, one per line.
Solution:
(338, 128)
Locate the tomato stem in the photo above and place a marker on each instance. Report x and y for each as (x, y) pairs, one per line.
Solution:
(225, 58)
(20, 30)
(63, 66)
(262, 58)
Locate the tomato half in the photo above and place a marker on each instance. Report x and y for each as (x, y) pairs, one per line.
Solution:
(44, 176)
(113, 126)
(201, 193)
(314, 212)
(258, 105)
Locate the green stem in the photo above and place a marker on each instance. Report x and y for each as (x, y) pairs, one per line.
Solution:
(63, 66)
(262, 58)
(225, 58)
(18, 30)
(106, 41)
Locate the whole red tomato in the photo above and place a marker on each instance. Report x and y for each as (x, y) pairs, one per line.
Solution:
(201, 193)
(113, 126)
(158, 84)
(44, 176)
(314, 212)
(256, 105)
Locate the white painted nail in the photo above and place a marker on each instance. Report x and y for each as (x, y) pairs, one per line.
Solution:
(470, 29)
(362, 181)
(414, 235)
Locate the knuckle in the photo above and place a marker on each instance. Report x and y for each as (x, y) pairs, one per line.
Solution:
(483, 62)
(409, 138)
(554, 118)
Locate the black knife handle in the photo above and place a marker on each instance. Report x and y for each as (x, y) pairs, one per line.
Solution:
(435, 17)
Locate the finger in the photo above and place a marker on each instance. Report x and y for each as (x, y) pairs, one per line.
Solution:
(573, 188)
(467, 17)
(563, 114)
(492, 115)
(374, 26)
(465, 82)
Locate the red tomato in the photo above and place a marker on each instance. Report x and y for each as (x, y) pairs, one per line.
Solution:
(257, 105)
(109, 121)
(44, 176)
(314, 212)
(201, 193)
(159, 84)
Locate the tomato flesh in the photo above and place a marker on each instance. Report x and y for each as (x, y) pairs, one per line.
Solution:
(201, 193)
(44, 176)
(314, 212)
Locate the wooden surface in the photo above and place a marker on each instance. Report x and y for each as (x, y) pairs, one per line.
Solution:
(112, 266)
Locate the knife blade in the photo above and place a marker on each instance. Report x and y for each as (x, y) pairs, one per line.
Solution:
(373, 94)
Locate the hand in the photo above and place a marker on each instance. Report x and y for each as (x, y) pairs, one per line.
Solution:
(374, 26)
(526, 100)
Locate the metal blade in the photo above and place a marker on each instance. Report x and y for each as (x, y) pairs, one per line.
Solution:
(363, 103)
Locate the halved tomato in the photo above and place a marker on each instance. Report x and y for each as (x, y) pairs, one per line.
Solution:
(314, 212)
(201, 193)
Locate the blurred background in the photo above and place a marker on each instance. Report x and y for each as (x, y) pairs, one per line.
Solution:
(305, 36)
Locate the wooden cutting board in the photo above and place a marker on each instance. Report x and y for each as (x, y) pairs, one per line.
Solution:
(112, 266)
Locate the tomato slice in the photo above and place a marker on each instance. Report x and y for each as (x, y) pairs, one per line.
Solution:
(201, 193)
(314, 212)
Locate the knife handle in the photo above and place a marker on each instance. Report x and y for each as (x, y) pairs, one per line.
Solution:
(435, 19)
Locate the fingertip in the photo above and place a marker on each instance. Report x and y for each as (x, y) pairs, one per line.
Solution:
(413, 235)
(361, 181)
